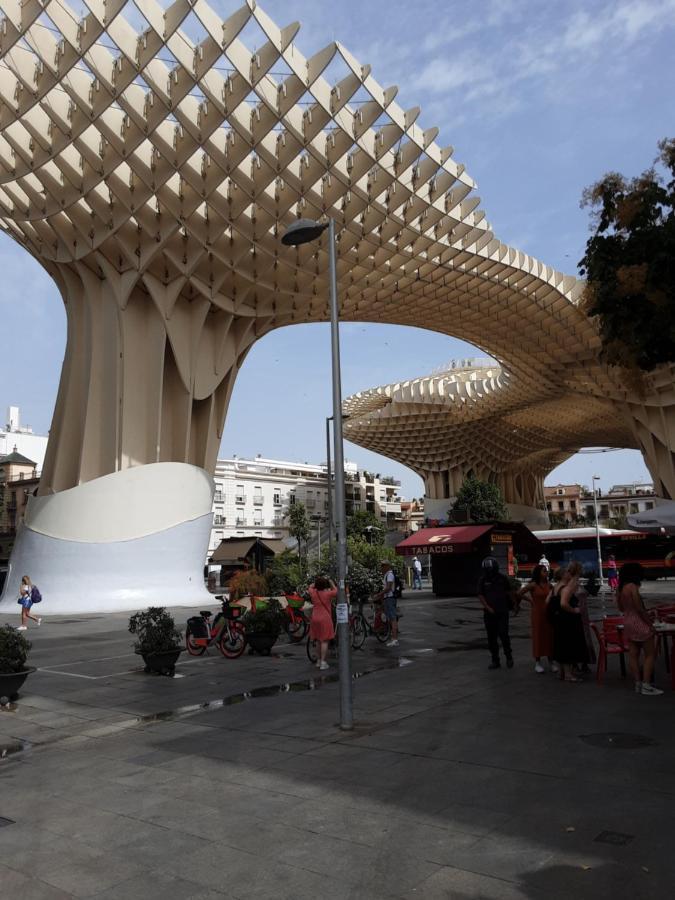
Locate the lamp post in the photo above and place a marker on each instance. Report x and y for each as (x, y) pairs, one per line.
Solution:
(597, 526)
(302, 232)
(329, 478)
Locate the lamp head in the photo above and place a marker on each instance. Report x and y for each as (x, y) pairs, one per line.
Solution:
(302, 231)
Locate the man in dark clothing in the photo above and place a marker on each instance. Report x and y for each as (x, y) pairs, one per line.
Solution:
(496, 596)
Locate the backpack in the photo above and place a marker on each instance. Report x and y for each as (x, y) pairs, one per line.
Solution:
(35, 595)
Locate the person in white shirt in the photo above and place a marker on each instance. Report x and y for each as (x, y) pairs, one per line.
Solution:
(388, 595)
(544, 562)
(417, 573)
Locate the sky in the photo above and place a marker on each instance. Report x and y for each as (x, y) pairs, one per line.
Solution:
(539, 100)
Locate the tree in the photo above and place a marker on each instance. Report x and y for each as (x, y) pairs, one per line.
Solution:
(482, 501)
(629, 264)
(299, 527)
(366, 525)
(285, 573)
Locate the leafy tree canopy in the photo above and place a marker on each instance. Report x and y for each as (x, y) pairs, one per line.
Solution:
(299, 526)
(629, 263)
(366, 525)
(482, 501)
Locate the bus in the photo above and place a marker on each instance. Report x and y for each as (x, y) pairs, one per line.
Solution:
(656, 553)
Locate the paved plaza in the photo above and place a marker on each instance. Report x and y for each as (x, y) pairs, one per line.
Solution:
(455, 783)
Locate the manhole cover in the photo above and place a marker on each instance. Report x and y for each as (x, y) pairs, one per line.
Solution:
(618, 740)
(4, 821)
(613, 837)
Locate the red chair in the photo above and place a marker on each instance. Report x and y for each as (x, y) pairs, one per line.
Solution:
(610, 642)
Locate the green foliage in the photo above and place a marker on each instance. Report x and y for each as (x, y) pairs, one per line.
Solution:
(14, 648)
(156, 631)
(299, 527)
(267, 619)
(629, 264)
(364, 577)
(245, 582)
(359, 523)
(482, 500)
(285, 573)
(363, 583)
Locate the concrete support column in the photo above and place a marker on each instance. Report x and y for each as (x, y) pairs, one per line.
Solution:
(147, 376)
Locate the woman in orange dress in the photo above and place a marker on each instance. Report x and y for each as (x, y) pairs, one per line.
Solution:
(536, 592)
(321, 628)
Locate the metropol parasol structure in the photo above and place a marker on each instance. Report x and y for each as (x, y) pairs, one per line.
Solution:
(151, 158)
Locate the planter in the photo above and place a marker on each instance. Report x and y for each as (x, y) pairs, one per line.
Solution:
(11, 682)
(162, 663)
(261, 642)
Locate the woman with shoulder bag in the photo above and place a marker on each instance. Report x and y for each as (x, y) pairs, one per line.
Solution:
(321, 628)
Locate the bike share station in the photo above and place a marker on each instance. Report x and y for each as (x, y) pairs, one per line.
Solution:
(457, 551)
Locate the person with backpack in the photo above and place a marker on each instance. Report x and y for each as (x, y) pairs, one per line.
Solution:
(28, 595)
(497, 599)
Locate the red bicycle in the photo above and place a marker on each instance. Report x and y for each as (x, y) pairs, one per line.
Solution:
(225, 631)
(296, 623)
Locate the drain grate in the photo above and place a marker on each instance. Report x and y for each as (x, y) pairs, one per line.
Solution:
(4, 821)
(616, 838)
(618, 740)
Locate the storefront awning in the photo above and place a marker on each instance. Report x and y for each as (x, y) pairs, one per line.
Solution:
(451, 539)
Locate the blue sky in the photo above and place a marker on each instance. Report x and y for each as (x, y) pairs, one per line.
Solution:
(538, 99)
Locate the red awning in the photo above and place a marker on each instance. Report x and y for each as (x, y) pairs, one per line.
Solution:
(453, 539)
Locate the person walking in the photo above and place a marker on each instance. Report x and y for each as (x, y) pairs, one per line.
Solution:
(537, 592)
(321, 628)
(637, 628)
(417, 574)
(497, 598)
(388, 596)
(569, 642)
(26, 592)
(612, 573)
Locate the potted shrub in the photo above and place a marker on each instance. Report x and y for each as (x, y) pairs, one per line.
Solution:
(13, 669)
(247, 582)
(262, 626)
(159, 642)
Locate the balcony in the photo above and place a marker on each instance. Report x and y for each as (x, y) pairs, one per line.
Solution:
(240, 498)
(218, 497)
(218, 520)
(277, 520)
(241, 521)
(258, 500)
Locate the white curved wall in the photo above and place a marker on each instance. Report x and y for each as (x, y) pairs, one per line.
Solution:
(128, 504)
(125, 541)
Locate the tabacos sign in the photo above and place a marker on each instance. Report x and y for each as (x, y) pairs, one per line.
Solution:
(438, 543)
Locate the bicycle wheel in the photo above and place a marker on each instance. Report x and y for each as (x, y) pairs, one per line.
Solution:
(232, 642)
(359, 630)
(312, 649)
(296, 630)
(192, 648)
(382, 631)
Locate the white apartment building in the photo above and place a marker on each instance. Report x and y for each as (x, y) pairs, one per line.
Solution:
(14, 435)
(253, 496)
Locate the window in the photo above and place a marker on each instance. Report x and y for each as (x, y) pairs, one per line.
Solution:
(561, 504)
(218, 496)
(277, 496)
(257, 496)
(218, 520)
(240, 496)
(560, 492)
(573, 504)
(240, 517)
(257, 518)
(291, 498)
(548, 506)
(649, 505)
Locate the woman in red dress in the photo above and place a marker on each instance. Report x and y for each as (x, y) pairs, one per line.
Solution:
(536, 593)
(321, 628)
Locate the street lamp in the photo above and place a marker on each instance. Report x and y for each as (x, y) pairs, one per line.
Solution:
(303, 231)
(597, 526)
